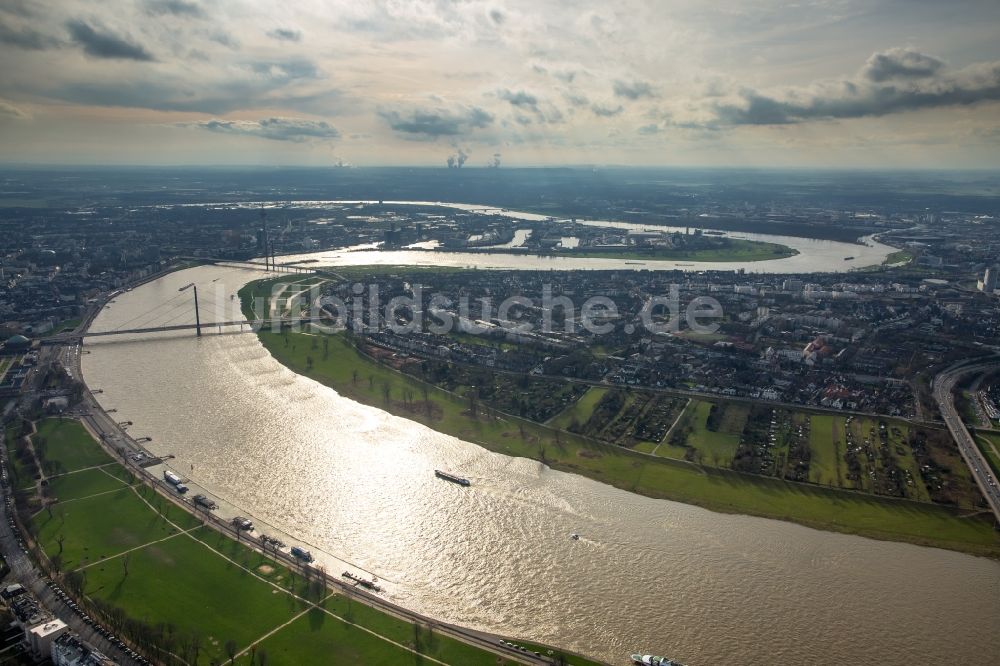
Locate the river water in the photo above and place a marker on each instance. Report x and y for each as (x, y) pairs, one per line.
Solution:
(356, 486)
(814, 256)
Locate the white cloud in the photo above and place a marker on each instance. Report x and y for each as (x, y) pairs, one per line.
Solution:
(543, 75)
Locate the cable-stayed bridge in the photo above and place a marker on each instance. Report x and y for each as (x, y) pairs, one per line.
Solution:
(174, 314)
(245, 327)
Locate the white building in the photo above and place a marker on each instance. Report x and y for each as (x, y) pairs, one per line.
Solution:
(989, 282)
(791, 284)
(41, 636)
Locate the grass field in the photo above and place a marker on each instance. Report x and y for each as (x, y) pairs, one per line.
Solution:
(989, 444)
(662, 477)
(67, 446)
(199, 592)
(85, 483)
(98, 527)
(717, 447)
(827, 450)
(154, 562)
(736, 249)
(827, 441)
(580, 410)
(899, 257)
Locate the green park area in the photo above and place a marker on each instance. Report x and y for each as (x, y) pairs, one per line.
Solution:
(898, 258)
(728, 249)
(714, 443)
(860, 453)
(338, 362)
(580, 410)
(65, 446)
(826, 466)
(989, 444)
(184, 593)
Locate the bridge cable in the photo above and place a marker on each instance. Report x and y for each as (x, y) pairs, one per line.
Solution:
(152, 317)
(148, 312)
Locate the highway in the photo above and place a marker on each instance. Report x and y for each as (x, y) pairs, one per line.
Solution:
(974, 458)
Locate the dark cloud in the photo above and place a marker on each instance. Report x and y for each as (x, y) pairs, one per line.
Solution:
(545, 112)
(173, 8)
(225, 39)
(649, 129)
(606, 111)
(287, 70)
(275, 129)
(104, 44)
(497, 16)
(566, 75)
(26, 38)
(633, 89)
(520, 99)
(18, 8)
(212, 98)
(866, 97)
(434, 123)
(900, 64)
(577, 100)
(145, 95)
(285, 35)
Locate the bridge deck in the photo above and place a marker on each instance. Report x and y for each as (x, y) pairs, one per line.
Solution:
(254, 325)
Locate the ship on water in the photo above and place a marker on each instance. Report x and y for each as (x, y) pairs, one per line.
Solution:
(650, 660)
(447, 476)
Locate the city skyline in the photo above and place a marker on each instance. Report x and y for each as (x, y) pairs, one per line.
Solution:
(820, 84)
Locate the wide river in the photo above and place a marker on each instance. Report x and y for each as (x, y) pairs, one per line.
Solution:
(814, 256)
(356, 486)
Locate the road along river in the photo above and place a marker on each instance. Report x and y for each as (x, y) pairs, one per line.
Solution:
(356, 485)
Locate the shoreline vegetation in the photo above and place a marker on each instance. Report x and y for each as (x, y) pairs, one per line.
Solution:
(734, 249)
(161, 577)
(338, 362)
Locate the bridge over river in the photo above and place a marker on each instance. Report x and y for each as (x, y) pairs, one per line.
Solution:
(244, 327)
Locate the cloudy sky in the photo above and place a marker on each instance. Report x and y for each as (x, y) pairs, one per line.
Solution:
(840, 83)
